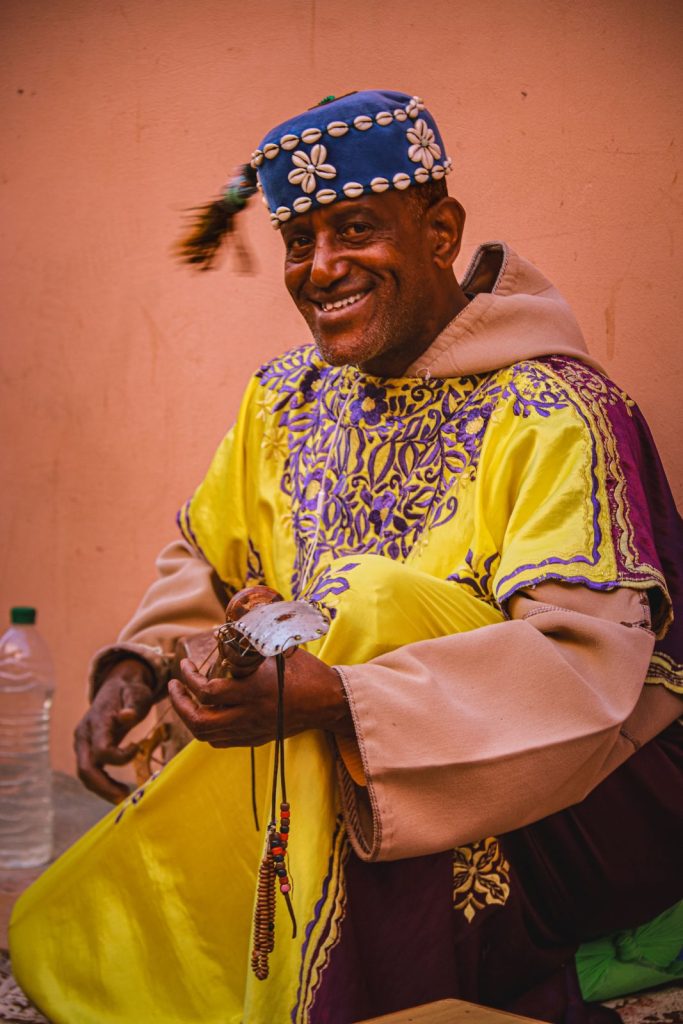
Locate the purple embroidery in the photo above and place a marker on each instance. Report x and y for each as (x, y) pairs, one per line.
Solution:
(398, 454)
(480, 578)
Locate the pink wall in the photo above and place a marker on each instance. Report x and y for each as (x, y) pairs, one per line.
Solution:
(121, 371)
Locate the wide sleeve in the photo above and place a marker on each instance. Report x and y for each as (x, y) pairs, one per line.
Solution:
(475, 734)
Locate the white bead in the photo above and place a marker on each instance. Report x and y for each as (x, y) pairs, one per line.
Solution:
(326, 195)
(283, 212)
(301, 204)
(353, 189)
(311, 135)
(400, 115)
(337, 129)
(289, 141)
(384, 117)
(421, 175)
(379, 184)
(271, 150)
(401, 180)
(362, 122)
(438, 172)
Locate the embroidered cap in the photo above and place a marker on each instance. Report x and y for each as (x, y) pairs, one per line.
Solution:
(363, 143)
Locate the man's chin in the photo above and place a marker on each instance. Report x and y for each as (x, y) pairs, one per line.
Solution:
(339, 351)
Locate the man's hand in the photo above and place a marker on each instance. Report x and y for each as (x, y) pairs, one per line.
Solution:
(242, 712)
(123, 700)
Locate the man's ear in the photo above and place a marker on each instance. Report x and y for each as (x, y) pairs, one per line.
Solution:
(446, 221)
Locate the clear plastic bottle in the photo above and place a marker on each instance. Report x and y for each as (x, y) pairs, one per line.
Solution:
(26, 688)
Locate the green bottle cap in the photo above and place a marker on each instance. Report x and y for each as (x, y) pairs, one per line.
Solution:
(23, 616)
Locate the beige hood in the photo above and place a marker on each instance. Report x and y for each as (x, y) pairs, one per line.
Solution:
(515, 314)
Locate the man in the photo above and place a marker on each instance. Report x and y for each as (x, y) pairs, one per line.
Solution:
(448, 474)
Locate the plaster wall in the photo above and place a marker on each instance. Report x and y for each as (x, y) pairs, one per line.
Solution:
(121, 370)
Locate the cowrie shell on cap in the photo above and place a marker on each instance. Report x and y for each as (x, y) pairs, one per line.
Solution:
(289, 141)
(310, 134)
(384, 117)
(400, 114)
(256, 158)
(362, 122)
(337, 128)
(353, 189)
(379, 184)
(283, 212)
(401, 180)
(438, 172)
(271, 150)
(421, 175)
(302, 204)
(275, 220)
(326, 195)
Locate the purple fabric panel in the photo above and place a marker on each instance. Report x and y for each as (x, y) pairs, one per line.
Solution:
(667, 531)
(657, 526)
(396, 946)
(656, 522)
(610, 862)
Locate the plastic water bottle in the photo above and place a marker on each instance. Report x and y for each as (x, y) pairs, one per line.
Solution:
(26, 688)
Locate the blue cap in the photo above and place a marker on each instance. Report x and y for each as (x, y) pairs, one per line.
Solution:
(363, 143)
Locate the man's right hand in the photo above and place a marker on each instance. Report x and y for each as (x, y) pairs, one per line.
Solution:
(124, 698)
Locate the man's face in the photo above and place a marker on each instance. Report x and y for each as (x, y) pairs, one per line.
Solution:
(362, 275)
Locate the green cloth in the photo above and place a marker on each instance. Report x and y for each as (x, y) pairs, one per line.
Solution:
(632, 960)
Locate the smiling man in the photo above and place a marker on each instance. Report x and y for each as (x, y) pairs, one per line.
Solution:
(481, 767)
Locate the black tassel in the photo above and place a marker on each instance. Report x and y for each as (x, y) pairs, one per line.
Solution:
(215, 221)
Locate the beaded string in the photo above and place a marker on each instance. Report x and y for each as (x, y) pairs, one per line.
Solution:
(273, 864)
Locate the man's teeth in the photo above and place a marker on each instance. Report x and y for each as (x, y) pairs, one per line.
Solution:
(329, 306)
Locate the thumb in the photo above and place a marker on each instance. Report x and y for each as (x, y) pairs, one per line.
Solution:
(127, 716)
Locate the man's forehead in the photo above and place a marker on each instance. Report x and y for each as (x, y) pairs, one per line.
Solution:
(386, 207)
(361, 145)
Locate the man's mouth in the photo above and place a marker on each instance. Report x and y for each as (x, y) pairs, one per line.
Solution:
(349, 300)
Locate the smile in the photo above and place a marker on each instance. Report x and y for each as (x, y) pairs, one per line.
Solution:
(328, 307)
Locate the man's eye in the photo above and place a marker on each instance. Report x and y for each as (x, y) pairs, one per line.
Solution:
(356, 229)
(299, 244)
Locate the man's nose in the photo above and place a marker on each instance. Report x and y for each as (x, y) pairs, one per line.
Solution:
(329, 262)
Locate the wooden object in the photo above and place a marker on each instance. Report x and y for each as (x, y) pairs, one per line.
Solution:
(449, 1011)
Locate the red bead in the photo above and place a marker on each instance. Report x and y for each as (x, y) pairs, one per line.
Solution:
(285, 814)
(277, 849)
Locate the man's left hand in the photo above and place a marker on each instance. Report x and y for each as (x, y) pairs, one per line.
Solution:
(243, 712)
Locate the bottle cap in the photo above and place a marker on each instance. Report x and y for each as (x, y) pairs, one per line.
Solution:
(23, 616)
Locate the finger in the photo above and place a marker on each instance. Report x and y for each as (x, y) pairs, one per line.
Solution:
(211, 692)
(127, 717)
(201, 721)
(115, 755)
(92, 777)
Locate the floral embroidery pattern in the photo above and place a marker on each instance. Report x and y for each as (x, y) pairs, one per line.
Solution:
(329, 582)
(308, 166)
(481, 877)
(480, 576)
(403, 448)
(424, 149)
